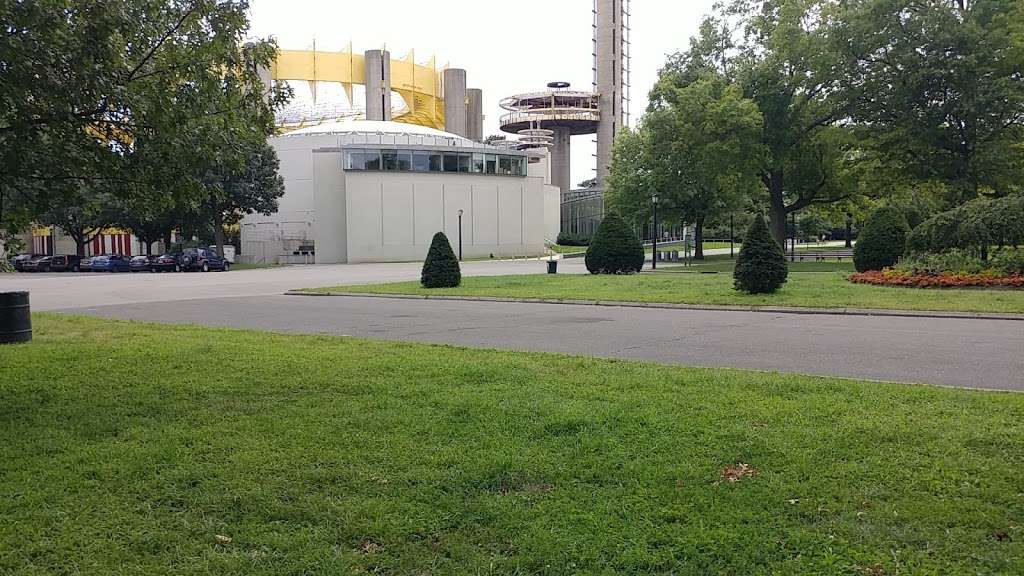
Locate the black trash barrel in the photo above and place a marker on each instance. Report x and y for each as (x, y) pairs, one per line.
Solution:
(552, 266)
(15, 318)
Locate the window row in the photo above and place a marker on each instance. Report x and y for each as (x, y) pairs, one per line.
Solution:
(434, 161)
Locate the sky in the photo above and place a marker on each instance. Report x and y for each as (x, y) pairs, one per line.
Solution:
(506, 47)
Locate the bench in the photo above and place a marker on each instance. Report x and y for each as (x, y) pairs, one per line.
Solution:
(821, 256)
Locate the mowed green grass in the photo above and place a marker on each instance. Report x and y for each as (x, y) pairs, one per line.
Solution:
(141, 449)
(722, 263)
(676, 286)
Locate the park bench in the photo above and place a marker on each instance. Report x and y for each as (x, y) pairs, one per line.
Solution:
(822, 256)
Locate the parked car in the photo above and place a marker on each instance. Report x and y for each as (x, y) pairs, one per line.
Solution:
(20, 260)
(110, 263)
(66, 263)
(38, 264)
(165, 263)
(204, 259)
(141, 263)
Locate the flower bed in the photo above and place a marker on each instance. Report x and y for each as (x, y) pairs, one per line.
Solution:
(890, 277)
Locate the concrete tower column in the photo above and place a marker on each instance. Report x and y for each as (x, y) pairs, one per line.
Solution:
(455, 101)
(378, 84)
(475, 114)
(610, 71)
(561, 154)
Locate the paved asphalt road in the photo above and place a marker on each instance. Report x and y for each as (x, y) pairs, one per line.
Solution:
(59, 291)
(956, 352)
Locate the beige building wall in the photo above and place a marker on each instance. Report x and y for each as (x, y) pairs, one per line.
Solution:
(393, 217)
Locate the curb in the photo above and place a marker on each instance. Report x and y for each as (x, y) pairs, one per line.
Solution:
(668, 306)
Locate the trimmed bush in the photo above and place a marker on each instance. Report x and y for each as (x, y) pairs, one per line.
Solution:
(1009, 262)
(567, 239)
(614, 249)
(761, 266)
(882, 240)
(441, 268)
(953, 262)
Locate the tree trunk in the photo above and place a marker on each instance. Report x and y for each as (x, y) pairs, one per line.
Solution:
(80, 246)
(849, 235)
(698, 239)
(149, 247)
(218, 232)
(167, 241)
(777, 208)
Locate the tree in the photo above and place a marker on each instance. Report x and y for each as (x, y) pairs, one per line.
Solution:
(697, 148)
(255, 188)
(780, 54)
(90, 86)
(83, 213)
(614, 249)
(706, 149)
(975, 227)
(150, 217)
(882, 240)
(939, 83)
(441, 268)
(761, 266)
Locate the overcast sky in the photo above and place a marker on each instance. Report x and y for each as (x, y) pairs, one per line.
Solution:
(506, 47)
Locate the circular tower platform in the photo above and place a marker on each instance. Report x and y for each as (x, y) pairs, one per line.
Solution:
(550, 119)
(557, 107)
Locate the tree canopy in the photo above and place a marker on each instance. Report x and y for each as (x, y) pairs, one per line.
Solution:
(126, 95)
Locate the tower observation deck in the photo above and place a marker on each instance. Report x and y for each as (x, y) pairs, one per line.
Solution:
(563, 112)
(566, 113)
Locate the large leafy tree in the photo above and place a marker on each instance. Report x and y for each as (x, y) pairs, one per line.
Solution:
(781, 55)
(83, 212)
(253, 188)
(127, 92)
(698, 147)
(939, 87)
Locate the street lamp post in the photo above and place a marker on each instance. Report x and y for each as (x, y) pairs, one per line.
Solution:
(732, 236)
(654, 253)
(792, 245)
(460, 235)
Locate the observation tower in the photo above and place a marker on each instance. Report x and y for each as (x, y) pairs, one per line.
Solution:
(549, 119)
(602, 112)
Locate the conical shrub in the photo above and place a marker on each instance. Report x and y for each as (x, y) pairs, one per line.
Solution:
(882, 240)
(761, 266)
(441, 268)
(614, 249)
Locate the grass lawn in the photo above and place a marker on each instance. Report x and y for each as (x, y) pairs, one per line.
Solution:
(723, 263)
(145, 449)
(821, 290)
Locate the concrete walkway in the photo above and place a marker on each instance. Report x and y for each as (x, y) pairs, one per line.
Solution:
(948, 351)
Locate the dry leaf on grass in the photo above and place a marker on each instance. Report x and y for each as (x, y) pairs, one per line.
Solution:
(369, 546)
(222, 540)
(738, 472)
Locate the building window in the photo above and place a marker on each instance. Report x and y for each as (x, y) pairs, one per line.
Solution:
(371, 159)
(451, 162)
(354, 160)
(421, 161)
(397, 160)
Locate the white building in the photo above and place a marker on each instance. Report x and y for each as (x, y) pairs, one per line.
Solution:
(377, 191)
